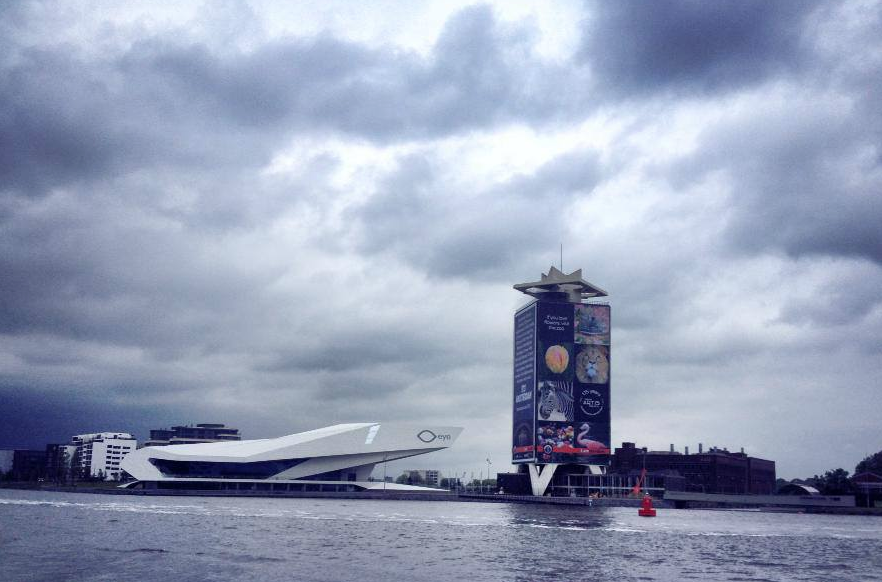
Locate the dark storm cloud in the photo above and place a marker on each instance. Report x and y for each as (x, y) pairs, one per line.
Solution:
(95, 272)
(64, 121)
(31, 419)
(196, 231)
(638, 47)
(414, 214)
(344, 350)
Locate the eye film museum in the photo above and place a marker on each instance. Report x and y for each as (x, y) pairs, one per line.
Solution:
(335, 458)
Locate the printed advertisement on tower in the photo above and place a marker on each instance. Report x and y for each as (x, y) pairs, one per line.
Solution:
(592, 393)
(572, 376)
(523, 416)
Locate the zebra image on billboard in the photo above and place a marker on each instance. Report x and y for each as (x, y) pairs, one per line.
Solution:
(570, 398)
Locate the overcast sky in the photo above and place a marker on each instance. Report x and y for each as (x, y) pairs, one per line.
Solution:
(283, 217)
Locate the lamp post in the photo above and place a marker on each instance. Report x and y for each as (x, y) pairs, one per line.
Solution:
(488, 470)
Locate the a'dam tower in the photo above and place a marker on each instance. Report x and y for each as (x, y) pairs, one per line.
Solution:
(561, 397)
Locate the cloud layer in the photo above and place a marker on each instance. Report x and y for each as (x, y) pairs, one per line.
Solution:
(223, 213)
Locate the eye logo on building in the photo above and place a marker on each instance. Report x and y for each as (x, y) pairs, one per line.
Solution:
(428, 436)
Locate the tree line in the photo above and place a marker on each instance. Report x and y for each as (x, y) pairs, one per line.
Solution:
(838, 481)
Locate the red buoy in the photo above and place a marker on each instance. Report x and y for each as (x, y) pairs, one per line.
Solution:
(646, 509)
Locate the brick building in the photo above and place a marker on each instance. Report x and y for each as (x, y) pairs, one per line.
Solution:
(714, 471)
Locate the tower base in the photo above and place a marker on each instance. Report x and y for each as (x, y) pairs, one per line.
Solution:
(540, 477)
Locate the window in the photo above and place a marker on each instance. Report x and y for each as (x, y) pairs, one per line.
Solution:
(208, 469)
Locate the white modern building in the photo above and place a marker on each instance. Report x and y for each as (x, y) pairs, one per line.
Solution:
(336, 458)
(102, 453)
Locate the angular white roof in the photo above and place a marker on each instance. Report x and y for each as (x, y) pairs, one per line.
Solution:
(332, 448)
(244, 449)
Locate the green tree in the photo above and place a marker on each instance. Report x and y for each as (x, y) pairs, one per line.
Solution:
(835, 482)
(872, 464)
(410, 478)
(450, 483)
(77, 472)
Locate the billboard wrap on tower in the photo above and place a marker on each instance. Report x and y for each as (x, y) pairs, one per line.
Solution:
(524, 385)
(561, 387)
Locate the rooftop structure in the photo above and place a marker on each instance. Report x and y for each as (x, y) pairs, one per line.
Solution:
(556, 282)
(191, 434)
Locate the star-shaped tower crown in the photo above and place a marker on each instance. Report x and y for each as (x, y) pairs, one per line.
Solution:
(556, 281)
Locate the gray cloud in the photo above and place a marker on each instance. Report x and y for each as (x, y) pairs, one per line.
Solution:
(275, 232)
(852, 298)
(53, 418)
(636, 48)
(805, 178)
(415, 214)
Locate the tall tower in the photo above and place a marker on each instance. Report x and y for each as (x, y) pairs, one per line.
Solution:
(561, 406)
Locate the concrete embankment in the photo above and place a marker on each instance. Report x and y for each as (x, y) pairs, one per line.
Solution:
(377, 495)
(578, 501)
(704, 504)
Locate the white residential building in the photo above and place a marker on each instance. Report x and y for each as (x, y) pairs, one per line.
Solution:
(101, 453)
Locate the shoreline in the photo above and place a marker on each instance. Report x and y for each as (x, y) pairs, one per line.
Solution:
(372, 495)
(447, 497)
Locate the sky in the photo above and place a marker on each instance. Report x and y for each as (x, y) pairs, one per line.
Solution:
(282, 217)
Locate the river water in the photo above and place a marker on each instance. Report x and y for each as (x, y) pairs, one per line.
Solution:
(69, 536)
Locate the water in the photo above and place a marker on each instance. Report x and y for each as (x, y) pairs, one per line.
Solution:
(58, 536)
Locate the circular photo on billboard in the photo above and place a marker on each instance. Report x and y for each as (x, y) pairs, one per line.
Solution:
(557, 358)
(592, 365)
(591, 402)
